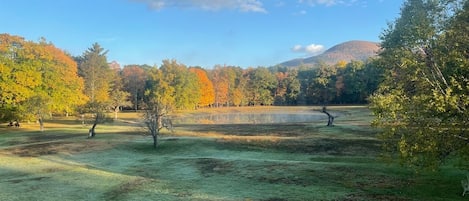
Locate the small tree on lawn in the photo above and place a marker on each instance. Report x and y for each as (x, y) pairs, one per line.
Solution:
(330, 117)
(159, 98)
(154, 120)
(324, 87)
(98, 110)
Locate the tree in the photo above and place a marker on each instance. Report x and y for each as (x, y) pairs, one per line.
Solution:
(360, 80)
(288, 86)
(118, 96)
(94, 69)
(98, 110)
(186, 86)
(261, 85)
(160, 101)
(207, 93)
(325, 83)
(37, 79)
(221, 85)
(119, 99)
(421, 105)
(134, 78)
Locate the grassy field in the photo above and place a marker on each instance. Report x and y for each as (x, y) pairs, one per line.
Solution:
(210, 161)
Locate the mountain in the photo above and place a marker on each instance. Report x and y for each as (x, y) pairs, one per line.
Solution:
(347, 51)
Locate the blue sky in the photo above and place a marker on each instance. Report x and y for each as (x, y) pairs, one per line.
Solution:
(246, 33)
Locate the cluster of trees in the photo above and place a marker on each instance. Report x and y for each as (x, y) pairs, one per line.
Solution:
(422, 104)
(38, 80)
(194, 87)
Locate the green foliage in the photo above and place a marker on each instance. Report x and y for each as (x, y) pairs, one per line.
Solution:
(36, 79)
(261, 85)
(173, 85)
(184, 83)
(93, 67)
(422, 104)
(348, 83)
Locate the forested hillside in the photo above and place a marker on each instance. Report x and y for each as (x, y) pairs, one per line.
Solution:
(347, 51)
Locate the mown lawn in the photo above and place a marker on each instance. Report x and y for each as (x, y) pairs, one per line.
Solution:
(210, 161)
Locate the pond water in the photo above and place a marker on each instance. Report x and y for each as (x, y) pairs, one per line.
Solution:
(251, 118)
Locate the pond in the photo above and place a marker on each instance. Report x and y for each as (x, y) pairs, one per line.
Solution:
(251, 118)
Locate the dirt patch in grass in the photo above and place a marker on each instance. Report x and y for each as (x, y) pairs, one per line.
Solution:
(274, 199)
(360, 179)
(281, 130)
(210, 166)
(373, 197)
(40, 137)
(119, 192)
(15, 181)
(53, 147)
(297, 174)
(34, 150)
(306, 145)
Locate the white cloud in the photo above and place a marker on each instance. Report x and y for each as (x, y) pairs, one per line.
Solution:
(312, 49)
(212, 5)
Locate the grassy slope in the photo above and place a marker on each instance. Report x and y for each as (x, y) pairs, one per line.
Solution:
(301, 161)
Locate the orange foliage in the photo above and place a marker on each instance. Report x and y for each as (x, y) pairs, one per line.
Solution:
(206, 90)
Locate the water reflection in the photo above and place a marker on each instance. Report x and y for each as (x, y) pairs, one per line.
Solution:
(243, 118)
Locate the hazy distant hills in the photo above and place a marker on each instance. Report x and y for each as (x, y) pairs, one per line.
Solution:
(347, 51)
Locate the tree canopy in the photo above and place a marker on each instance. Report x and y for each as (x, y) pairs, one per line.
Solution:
(36, 79)
(422, 104)
(94, 69)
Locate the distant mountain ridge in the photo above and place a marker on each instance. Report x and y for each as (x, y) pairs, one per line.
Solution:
(351, 50)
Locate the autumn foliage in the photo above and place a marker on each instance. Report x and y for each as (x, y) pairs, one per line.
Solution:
(36, 74)
(36, 79)
(207, 93)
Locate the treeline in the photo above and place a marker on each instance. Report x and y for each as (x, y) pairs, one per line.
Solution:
(38, 79)
(193, 87)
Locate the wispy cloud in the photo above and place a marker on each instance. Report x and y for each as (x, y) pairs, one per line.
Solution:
(328, 2)
(312, 49)
(301, 12)
(212, 5)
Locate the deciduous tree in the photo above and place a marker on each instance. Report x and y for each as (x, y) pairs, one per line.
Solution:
(160, 101)
(134, 77)
(261, 86)
(422, 104)
(37, 79)
(207, 93)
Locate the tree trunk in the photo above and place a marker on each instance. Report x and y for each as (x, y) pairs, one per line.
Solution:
(330, 119)
(92, 133)
(41, 124)
(115, 112)
(155, 140)
(95, 123)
